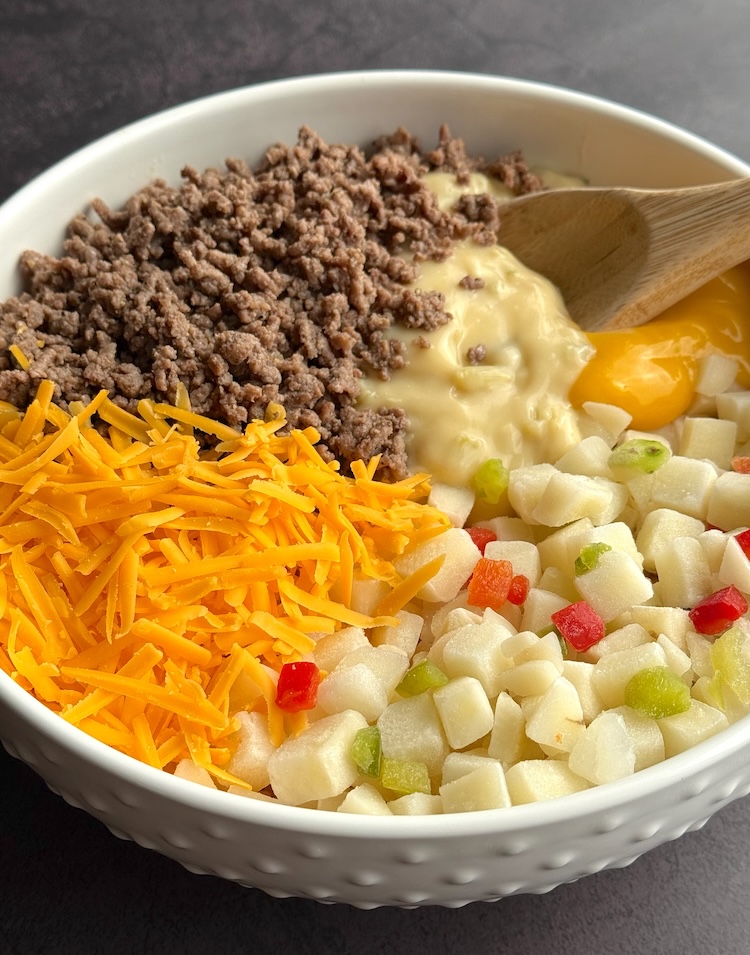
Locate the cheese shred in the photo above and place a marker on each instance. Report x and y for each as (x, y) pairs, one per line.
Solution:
(141, 577)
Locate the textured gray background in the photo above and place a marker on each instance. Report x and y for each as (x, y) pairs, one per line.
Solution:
(72, 70)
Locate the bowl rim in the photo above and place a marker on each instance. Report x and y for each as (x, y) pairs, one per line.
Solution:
(598, 800)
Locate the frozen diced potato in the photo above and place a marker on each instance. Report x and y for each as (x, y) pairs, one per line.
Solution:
(331, 649)
(539, 607)
(250, 794)
(709, 438)
(735, 567)
(735, 406)
(589, 457)
(661, 526)
(439, 620)
(698, 649)
(677, 660)
(318, 763)
(533, 780)
(619, 536)
(614, 585)
(716, 373)
(476, 650)
(684, 574)
(525, 489)
(623, 638)
(366, 800)
(645, 736)
(367, 594)
(581, 675)
(542, 648)
(416, 804)
(508, 741)
(404, 636)
(557, 582)
(187, 769)
(509, 528)
(560, 548)
(714, 544)
(532, 678)
(459, 764)
(354, 688)
(612, 673)
(729, 501)
(557, 720)
(684, 484)
(614, 419)
(461, 555)
(464, 711)
(483, 788)
(570, 497)
(456, 502)
(388, 664)
(683, 730)
(522, 555)
(411, 729)
(603, 752)
(253, 747)
(673, 622)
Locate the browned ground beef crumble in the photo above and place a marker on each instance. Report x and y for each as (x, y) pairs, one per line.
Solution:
(278, 283)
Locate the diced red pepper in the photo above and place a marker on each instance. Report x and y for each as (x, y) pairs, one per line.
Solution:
(482, 536)
(718, 611)
(741, 465)
(579, 625)
(297, 688)
(490, 583)
(519, 589)
(743, 539)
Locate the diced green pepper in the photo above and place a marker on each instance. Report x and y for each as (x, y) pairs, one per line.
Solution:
(366, 751)
(424, 676)
(404, 776)
(589, 557)
(639, 456)
(490, 480)
(657, 692)
(730, 656)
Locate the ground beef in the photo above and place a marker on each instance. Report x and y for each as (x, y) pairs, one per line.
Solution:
(248, 286)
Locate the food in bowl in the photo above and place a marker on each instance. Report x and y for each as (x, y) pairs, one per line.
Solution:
(215, 615)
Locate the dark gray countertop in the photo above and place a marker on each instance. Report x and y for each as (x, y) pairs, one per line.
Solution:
(72, 70)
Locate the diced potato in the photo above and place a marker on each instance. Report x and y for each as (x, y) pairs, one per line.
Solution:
(659, 527)
(366, 800)
(388, 664)
(461, 555)
(250, 758)
(405, 636)
(526, 487)
(735, 406)
(557, 720)
(529, 679)
(684, 574)
(483, 788)
(533, 780)
(560, 548)
(614, 419)
(543, 648)
(612, 673)
(684, 730)
(522, 555)
(464, 711)
(331, 649)
(456, 502)
(539, 607)
(354, 688)
(367, 594)
(735, 567)
(509, 528)
(714, 543)
(558, 583)
(645, 736)
(684, 484)
(729, 501)
(476, 650)
(709, 438)
(440, 619)
(677, 660)
(569, 497)
(508, 741)
(673, 622)
(316, 764)
(698, 649)
(615, 584)
(459, 764)
(603, 752)
(716, 373)
(187, 769)
(411, 729)
(623, 638)
(589, 457)
(416, 804)
(581, 675)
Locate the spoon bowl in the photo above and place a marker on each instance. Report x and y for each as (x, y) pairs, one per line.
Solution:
(621, 256)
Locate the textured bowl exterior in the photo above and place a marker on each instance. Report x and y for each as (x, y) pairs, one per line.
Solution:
(371, 861)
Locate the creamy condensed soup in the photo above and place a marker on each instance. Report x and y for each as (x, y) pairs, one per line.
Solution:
(513, 403)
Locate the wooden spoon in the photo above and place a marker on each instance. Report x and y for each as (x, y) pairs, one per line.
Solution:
(621, 256)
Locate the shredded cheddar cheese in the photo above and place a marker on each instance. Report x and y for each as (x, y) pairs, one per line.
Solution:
(141, 578)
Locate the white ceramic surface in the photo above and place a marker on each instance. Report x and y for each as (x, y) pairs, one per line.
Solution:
(370, 861)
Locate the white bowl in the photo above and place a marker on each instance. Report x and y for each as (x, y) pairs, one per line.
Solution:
(447, 860)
